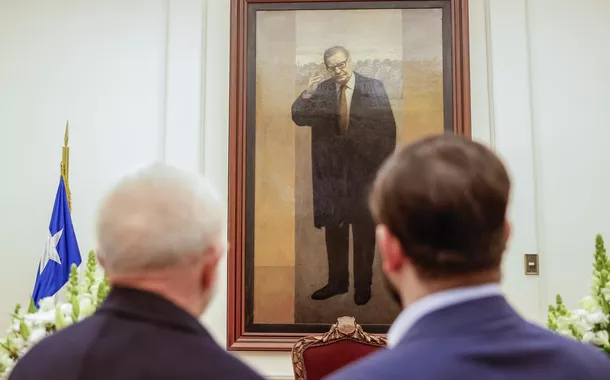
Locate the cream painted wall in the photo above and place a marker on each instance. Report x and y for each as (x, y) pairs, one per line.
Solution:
(502, 117)
(146, 80)
(545, 106)
(570, 92)
(98, 64)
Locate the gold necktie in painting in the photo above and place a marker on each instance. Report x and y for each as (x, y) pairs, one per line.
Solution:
(343, 114)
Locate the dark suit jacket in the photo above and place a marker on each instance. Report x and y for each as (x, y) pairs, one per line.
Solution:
(344, 166)
(134, 335)
(483, 339)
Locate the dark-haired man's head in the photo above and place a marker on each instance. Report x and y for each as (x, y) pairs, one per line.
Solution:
(440, 208)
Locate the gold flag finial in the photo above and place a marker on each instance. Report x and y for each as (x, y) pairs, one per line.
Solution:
(65, 166)
(66, 135)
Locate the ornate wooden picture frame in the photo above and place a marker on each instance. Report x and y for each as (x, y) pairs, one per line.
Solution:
(407, 58)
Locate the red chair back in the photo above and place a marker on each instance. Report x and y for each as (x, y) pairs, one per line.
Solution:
(314, 357)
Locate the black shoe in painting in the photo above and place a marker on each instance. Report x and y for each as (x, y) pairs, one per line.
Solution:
(328, 291)
(362, 296)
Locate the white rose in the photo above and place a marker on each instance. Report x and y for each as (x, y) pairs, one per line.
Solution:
(23, 350)
(600, 339)
(566, 332)
(99, 275)
(8, 364)
(564, 322)
(5, 360)
(15, 326)
(84, 296)
(578, 313)
(18, 341)
(86, 308)
(46, 304)
(598, 318)
(590, 304)
(588, 336)
(606, 292)
(41, 317)
(94, 290)
(36, 335)
(66, 308)
(581, 321)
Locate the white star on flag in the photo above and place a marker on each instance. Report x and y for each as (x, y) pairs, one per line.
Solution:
(50, 250)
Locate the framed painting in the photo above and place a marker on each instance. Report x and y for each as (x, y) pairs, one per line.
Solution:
(321, 93)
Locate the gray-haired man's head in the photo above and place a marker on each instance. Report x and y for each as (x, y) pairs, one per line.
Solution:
(339, 64)
(162, 224)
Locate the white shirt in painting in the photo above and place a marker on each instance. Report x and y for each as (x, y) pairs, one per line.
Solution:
(409, 316)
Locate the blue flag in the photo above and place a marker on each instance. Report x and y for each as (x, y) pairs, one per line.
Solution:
(60, 251)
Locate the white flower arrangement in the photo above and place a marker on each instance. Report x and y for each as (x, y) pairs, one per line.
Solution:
(591, 322)
(83, 296)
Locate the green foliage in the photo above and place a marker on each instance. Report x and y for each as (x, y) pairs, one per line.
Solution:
(60, 319)
(83, 294)
(32, 308)
(599, 286)
(90, 271)
(102, 291)
(594, 307)
(556, 311)
(601, 274)
(561, 308)
(72, 285)
(72, 292)
(11, 349)
(551, 321)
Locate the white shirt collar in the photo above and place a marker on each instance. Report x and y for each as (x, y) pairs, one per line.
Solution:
(414, 312)
(351, 83)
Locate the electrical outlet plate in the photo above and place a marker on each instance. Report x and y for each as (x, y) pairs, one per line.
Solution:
(531, 265)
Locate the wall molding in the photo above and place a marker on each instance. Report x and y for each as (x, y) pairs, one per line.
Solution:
(513, 139)
(537, 167)
(480, 60)
(161, 149)
(184, 83)
(490, 82)
(204, 81)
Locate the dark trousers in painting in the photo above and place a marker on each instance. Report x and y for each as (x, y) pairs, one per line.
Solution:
(344, 164)
(337, 249)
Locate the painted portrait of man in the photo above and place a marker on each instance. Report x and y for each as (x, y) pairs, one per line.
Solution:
(330, 99)
(352, 131)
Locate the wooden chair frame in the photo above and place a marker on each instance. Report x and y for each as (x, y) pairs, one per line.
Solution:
(346, 328)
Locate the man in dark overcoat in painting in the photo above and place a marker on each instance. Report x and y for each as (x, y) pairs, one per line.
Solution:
(352, 132)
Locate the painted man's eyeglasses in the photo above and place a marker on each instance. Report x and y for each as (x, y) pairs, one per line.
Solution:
(340, 66)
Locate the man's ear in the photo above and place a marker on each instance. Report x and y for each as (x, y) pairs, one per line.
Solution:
(507, 230)
(210, 262)
(100, 259)
(390, 249)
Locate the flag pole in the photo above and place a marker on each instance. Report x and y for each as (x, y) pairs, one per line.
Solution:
(65, 165)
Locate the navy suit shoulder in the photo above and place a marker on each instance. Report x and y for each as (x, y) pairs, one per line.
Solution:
(586, 360)
(567, 360)
(128, 344)
(363, 83)
(503, 347)
(368, 80)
